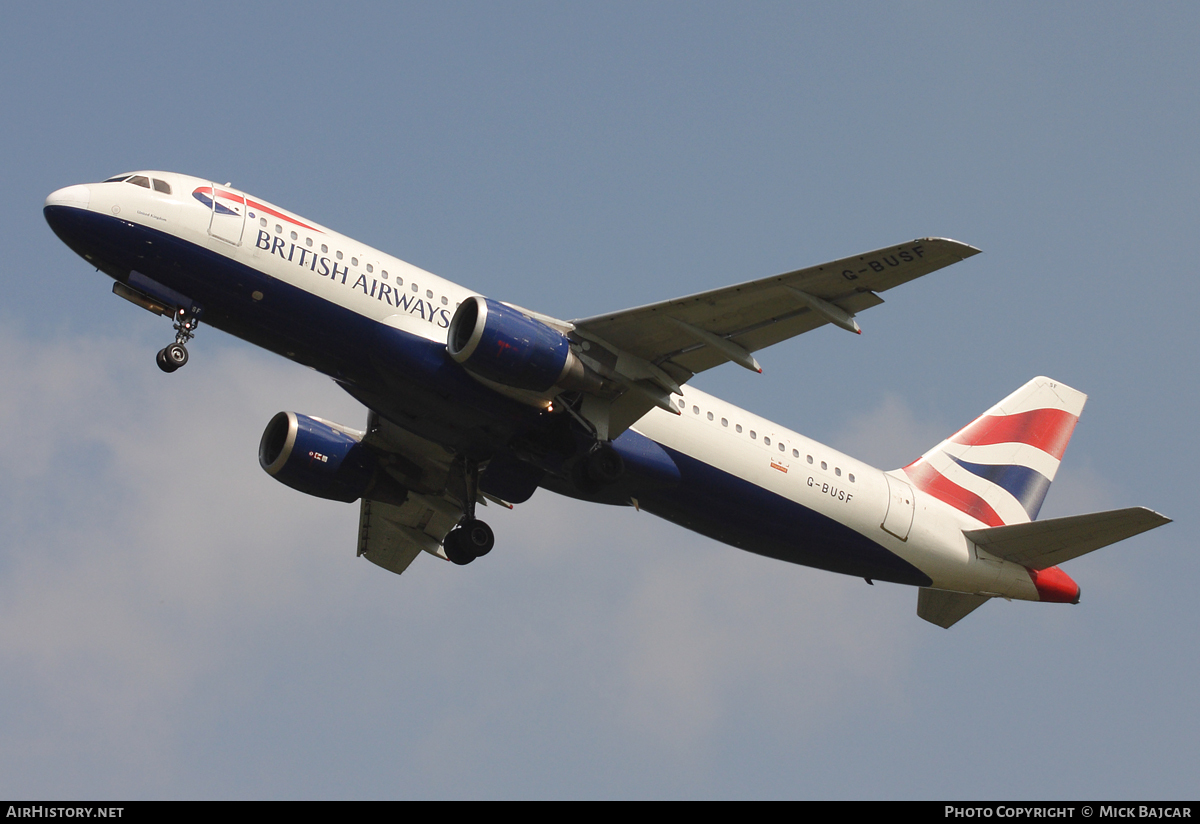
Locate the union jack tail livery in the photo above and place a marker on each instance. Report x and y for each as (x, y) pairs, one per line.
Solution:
(998, 468)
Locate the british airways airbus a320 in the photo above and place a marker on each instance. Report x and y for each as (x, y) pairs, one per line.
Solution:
(472, 400)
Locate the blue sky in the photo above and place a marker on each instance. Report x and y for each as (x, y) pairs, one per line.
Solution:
(175, 624)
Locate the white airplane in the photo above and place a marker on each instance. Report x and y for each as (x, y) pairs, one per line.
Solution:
(473, 400)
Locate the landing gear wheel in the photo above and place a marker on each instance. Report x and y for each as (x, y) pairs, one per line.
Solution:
(171, 357)
(604, 464)
(163, 364)
(176, 354)
(597, 469)
(456, 548)
(469, 540)
(479, 536)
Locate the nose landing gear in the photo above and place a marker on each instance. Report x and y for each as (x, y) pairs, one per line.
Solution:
(172, 357)
(175, 355)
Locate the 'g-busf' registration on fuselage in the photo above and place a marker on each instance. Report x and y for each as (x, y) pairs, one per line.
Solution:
(471, 399)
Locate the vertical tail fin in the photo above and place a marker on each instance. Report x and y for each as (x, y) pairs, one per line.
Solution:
(998, 468)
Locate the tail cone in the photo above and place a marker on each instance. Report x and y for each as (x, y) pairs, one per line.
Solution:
(1055, 585)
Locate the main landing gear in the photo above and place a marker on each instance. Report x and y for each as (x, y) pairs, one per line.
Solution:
(600, 467)
(175, 355)
(472, 538)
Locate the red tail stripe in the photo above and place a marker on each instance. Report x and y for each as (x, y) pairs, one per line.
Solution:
(1047, 429)
(930, 481)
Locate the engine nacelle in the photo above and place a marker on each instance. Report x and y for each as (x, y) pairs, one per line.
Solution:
(324, 459)
(500, 344)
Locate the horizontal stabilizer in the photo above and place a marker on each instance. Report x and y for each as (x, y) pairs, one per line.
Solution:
(946, 608)
(1043, 544)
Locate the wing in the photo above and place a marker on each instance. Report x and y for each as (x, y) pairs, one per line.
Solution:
(666, 343)
(759, 313)
(392, 533)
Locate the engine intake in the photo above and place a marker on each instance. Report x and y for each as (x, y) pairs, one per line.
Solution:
(498, 343)
(324, 459)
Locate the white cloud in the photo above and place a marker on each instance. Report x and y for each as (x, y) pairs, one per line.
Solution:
(890, 435)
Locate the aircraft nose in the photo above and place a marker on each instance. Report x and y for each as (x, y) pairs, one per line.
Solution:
(76, 196)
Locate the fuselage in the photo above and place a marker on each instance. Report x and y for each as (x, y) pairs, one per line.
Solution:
(378, 326)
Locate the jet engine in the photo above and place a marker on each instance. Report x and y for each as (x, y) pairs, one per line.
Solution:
(498, 343)
(324, 459)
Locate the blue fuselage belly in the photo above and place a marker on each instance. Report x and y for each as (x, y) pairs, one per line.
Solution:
(737, 512)
(413, 382)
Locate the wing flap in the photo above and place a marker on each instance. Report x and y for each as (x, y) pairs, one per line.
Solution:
(383, 542)
(392, 536)
(1043, 544)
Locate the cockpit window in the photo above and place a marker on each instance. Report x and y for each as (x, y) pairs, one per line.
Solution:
(162, 186)
(116, 179)
(140, 180)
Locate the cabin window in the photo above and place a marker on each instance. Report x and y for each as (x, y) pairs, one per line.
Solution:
(710, 416)
(781, 447)
(753, 435)
(695, 410)
(837, 470)
(445, 300)
(308, 242)
(339, 255)
(370, 268)
(810, 458)
(851, 476)
(324, 249)
(416, 288)
(262, 221)
(295, 236)
(724, 421)
(767, 441)
(738, 428)
(353, 261)
(278, 229)
(824, 466)
(795, 453)
(682, 404)
(383, 274)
